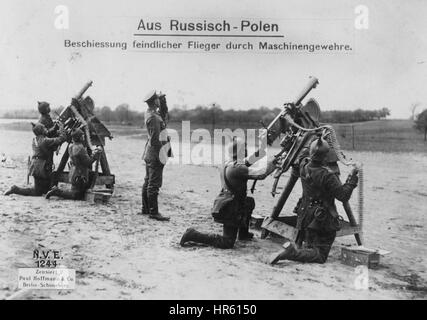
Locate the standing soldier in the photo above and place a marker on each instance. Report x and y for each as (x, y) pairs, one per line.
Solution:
(45, 119)
(155, 158)
(232, 207)
(42, 161)
(318, 219)
(81, 165)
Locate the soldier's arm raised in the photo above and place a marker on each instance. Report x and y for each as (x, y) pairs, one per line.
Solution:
(85, 159)
(260, 172)
(341, 192)
(261, 152)
(53, 143)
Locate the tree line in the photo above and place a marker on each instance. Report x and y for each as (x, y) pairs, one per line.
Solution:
(211, 114)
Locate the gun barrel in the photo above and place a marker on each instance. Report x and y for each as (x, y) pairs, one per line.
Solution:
(83, 90)
(313, 82)
(65, 114)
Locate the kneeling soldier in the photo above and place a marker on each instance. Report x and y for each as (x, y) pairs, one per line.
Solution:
(81, 165)
(318, 219)
(42, 161)
(232, 207)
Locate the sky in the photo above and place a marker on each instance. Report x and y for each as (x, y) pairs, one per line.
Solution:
(388, 67)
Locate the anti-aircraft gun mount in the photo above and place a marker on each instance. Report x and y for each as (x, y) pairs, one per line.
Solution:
(80, 114)
(300, 125)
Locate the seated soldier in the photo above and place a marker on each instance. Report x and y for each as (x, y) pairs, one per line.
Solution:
(318, 219)
(42, 161)
(232, 207)
(81, 165)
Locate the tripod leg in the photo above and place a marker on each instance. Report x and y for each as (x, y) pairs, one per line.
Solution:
(282, 200)
(57, 172)
(352, 221)
(284, 196)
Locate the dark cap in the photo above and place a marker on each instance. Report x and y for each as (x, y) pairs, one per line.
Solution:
(38, 129)
(43, 107)
(77, 135)
(319, 149)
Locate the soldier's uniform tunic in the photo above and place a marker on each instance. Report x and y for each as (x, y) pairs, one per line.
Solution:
(237, 213)
(81, 165)
(317, 214)
(232, 207)
(42, 162)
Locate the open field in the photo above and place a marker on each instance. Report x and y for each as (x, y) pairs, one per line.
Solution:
(381, 135)
(120, 255)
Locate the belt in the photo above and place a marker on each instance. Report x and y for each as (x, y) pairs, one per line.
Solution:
(314, 202)
(38, 158)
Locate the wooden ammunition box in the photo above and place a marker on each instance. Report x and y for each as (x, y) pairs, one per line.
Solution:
(96, 196)
(356, 256)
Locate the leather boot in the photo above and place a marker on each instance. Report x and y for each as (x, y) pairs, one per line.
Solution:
(289, 252)
(192, 234)
(22, 191)
(244, 233)
(53, 192)
(145, 209)
(11, 190)
(154, 209)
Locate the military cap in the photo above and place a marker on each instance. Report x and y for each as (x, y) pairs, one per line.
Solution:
(77, 135)
(150, 96)
(43, 107)
(319, 149)
(38, 129)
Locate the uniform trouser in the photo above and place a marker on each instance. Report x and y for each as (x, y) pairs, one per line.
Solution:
(77, 192)
(152, 183)
(229, 231)
(41, 186)
(224, 241)
(318, 243)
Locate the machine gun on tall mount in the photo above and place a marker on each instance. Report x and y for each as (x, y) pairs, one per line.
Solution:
(300, 125)
(80, 114)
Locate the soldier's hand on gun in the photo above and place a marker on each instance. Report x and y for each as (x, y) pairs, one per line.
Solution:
(97, 151)
(352, 177)
(61, 127)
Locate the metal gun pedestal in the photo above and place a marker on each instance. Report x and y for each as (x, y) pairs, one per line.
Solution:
(81, 113)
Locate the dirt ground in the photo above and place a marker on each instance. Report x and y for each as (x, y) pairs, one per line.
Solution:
(118, 254)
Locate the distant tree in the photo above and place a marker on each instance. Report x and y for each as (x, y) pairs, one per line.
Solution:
(413, 108)
(122, 112)
(384, 112)
(106, 114)
(421, 123)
